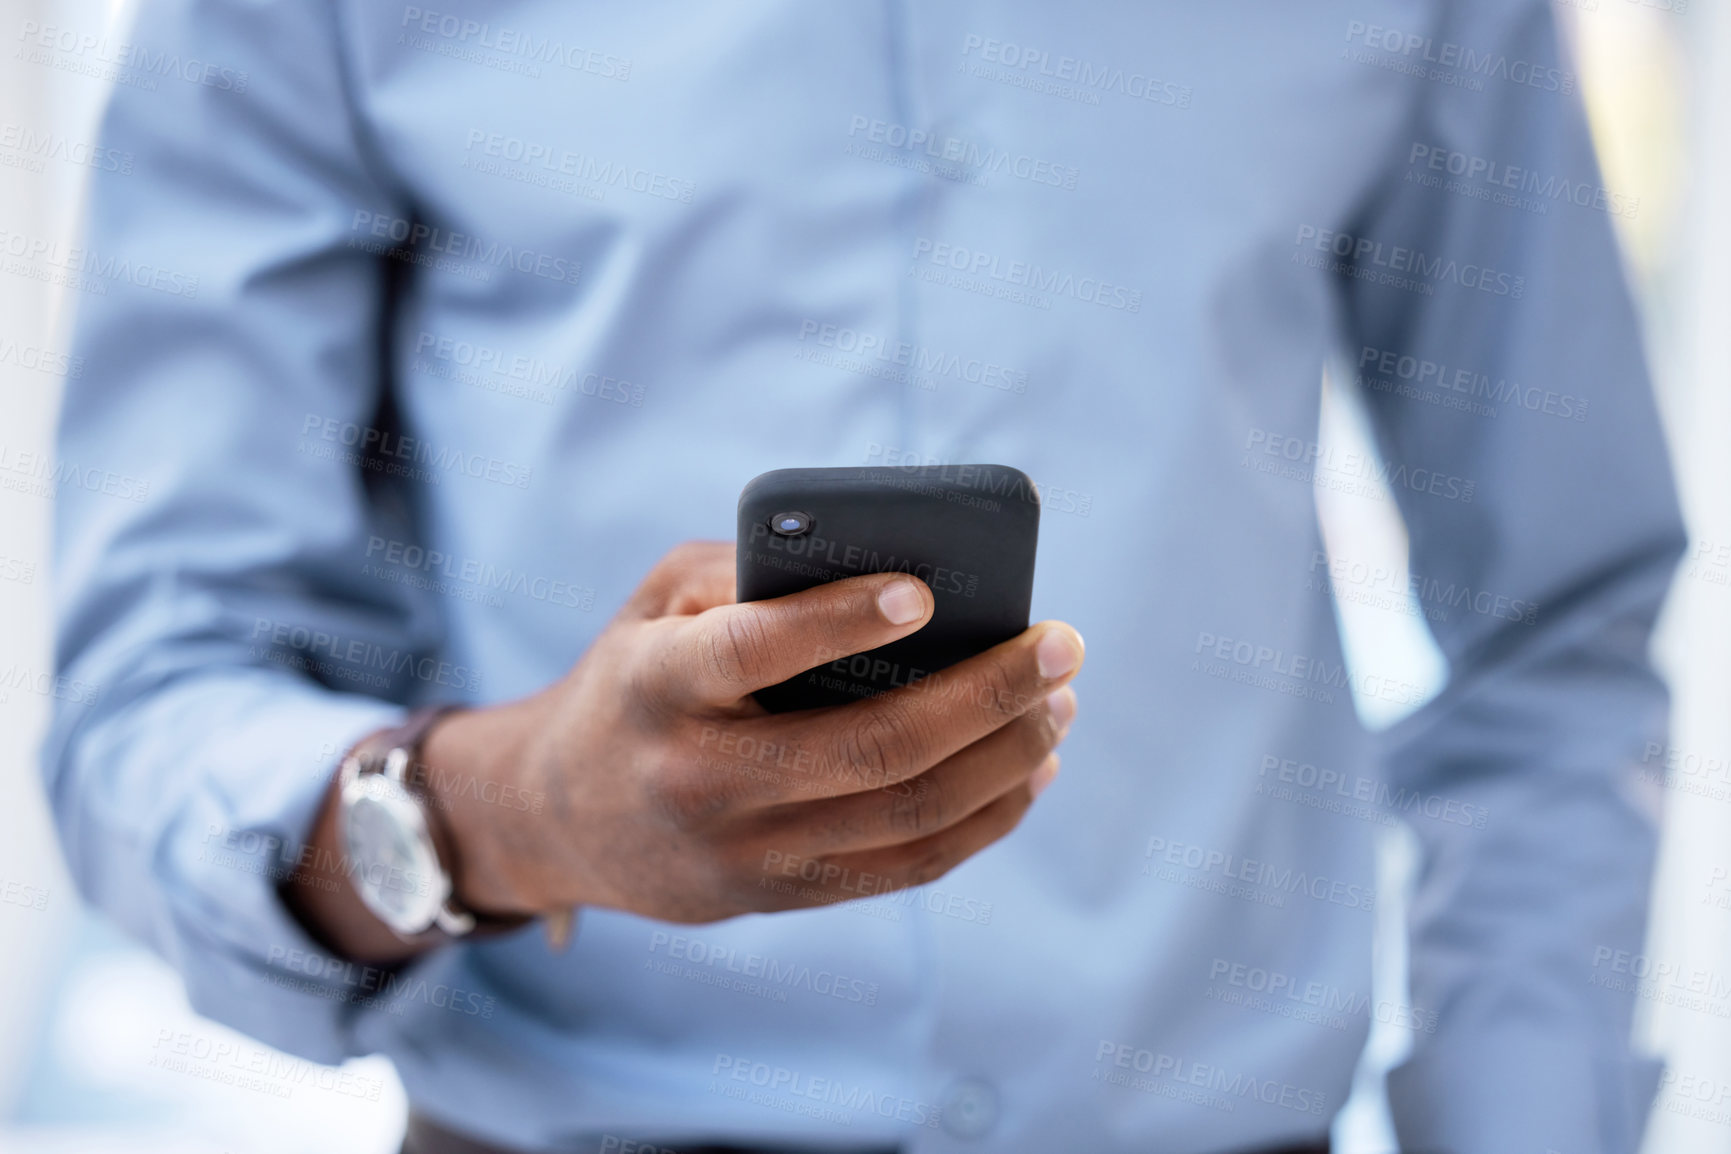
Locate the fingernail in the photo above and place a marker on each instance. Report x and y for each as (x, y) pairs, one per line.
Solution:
(901, 603)
(1058, 652)
(1043, 776)
(1061, 707)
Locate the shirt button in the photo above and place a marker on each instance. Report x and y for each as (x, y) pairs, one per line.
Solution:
(970, 1108)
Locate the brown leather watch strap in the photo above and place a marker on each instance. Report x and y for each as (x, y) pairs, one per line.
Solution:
(373, 754)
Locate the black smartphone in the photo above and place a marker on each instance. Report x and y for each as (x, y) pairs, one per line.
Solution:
(967, 531)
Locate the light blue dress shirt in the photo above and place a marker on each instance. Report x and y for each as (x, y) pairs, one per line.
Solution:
(418, 334)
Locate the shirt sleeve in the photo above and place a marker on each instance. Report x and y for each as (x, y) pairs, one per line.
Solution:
(212, 610)
(1513, 410)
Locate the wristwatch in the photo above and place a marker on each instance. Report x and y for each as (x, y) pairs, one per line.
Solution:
(401, 858)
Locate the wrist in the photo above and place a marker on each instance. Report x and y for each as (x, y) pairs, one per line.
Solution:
(471, 772)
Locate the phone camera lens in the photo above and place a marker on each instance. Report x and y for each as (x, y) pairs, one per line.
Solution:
(791, 524)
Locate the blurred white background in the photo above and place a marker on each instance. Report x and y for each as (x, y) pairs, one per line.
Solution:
(83, 1012)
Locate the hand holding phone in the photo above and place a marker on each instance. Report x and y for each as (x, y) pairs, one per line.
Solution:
(669, 792)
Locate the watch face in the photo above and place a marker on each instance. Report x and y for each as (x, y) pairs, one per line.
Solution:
(391, 857)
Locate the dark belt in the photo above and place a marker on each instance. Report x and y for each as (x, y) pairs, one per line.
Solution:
(428, 1137)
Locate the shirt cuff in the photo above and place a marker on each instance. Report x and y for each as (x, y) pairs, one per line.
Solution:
(234, 773)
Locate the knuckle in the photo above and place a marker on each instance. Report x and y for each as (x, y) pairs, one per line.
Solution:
(1035, 736)
(740, 883)
(1012, 809)
(685, 556)
(670, 561)
(930, 865)
(879, 747)
(665, 571)
(916, 810)
(858, 601)
(738, 650)
(829, 623)
(845, 825)
(1001, 691)
(687, 802)
(645, 677)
